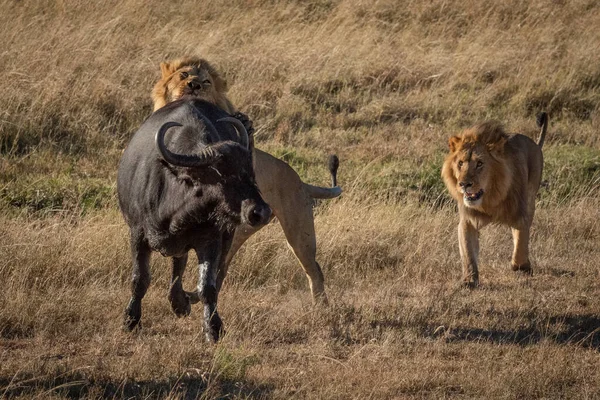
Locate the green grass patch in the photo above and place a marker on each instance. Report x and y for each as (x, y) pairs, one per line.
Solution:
(231, 366)
(570, 172)
(41, 195)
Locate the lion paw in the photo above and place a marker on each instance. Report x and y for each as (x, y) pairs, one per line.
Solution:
(525, 268)
(247, 122)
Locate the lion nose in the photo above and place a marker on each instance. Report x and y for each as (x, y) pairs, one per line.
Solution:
(465, 185)
(193, 85)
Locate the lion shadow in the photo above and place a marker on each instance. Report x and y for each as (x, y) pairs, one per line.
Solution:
(76, 386)
(580, 330)
(558, 272)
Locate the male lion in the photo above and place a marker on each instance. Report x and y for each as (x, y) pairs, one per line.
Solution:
(494, 177)
(289, 198)
(195, 77)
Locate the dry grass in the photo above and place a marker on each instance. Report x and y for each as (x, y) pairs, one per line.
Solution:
(398, 325)
(383, 85)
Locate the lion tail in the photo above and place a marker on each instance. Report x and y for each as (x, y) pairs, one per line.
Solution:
(542, 122)
(318, 192)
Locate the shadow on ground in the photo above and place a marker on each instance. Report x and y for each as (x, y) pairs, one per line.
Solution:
(580, 330)
(77, 386)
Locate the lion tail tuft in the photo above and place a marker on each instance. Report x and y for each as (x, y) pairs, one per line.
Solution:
(318, 192)
(542, 122)
(333, 163)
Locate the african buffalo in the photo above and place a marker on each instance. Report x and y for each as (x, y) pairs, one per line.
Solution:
(186, 181)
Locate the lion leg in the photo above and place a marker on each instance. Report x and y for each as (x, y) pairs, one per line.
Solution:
(520, 258)
(283, 190)
(299, 231)
(242, 233)
(468, 241)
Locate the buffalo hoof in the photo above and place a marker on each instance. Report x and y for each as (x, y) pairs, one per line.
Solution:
(469, 283)
(180, 303)
(524, 268)
(133, 315)
(213, 328)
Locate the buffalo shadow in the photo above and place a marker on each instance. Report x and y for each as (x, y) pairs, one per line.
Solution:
(77, 385)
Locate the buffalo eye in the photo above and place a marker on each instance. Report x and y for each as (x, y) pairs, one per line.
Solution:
(479, 164)
(206, 82)
(460, 164)
(184, 75)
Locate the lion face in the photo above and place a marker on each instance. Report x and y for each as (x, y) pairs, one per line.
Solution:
(190, 80)
(471, 174)
(474, 171)
(191, 76)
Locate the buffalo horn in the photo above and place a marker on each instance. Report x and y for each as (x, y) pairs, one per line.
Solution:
(206, 157)
(240, 128)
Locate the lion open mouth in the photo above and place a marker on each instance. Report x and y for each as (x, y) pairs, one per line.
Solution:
(473, 197)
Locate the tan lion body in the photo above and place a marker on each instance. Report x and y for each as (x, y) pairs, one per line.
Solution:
(494, 178)
(289, 198)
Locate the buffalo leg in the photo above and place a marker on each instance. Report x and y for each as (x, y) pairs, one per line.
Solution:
(140, 254)
(208, 262)
(180, 301)
(230, 245)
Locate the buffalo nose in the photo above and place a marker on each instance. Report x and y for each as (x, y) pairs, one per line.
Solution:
(260, 215)
(193, 85)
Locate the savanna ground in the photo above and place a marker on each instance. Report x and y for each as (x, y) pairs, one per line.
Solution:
(382, 84)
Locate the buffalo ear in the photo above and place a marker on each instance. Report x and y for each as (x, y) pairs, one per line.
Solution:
(166, 69)
(453, 143)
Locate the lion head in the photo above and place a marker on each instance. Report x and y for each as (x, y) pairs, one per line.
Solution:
(190, 76)
(476, 172)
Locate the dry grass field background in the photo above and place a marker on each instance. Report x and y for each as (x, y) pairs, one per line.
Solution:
(383, 84)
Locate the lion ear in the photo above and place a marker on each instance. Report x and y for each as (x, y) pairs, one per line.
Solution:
(453, 143)
(221, 84)
(497, 145)
(166, 69)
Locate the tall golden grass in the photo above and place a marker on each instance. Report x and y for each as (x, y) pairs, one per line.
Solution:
(382, 84)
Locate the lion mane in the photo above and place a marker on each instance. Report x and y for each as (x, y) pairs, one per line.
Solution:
(490, 137)
(194, 76)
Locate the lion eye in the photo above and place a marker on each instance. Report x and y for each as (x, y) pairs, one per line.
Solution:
(460, 163)
(206, 82)
(184, 75)
(479, 164)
